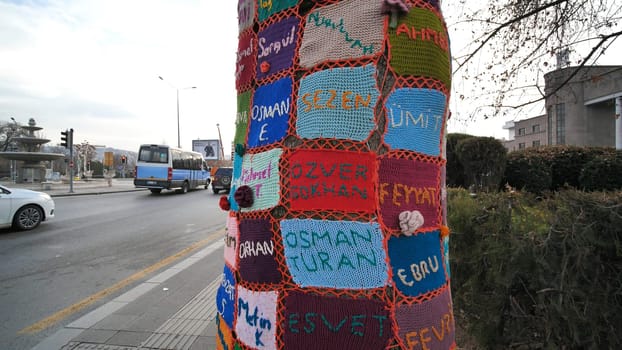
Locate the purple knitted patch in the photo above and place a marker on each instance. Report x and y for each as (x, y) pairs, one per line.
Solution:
(257, 259)
(276, 47)
(429, 325)
(409, 185)
(323, 322)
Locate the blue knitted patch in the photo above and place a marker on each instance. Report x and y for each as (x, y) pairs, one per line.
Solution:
(338, 103)
(336, 254)
(446, 254)
(415, 120)
(270, 113)
(225, 297)
(417, 263)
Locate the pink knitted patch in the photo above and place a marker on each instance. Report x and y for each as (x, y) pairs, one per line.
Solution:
(231, 241)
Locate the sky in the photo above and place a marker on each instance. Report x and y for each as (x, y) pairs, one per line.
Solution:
(94, 66)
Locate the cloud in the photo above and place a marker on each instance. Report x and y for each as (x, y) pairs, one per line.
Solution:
(94, 64)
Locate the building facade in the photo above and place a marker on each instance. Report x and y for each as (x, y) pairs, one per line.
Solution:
(582, 109)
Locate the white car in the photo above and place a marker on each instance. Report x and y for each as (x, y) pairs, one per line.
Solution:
(24, 209)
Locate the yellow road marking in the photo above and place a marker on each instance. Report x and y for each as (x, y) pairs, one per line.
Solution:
(62, 314)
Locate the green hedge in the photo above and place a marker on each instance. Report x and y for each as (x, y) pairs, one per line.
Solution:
(565, 165)
(533, 273)
(602, 173)
(528, 171)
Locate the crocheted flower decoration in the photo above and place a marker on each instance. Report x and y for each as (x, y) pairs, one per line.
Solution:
(243, 196)
(264, 66)
(394, 8)
(410, 221)
(240, 149)
(224, 203)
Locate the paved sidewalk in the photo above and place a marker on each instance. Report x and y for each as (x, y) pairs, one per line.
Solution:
(80, 187)
(175, 309)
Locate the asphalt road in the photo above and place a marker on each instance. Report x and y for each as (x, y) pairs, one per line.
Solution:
(93, 243)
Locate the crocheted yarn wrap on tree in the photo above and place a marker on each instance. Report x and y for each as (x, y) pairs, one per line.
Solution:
(340, 135)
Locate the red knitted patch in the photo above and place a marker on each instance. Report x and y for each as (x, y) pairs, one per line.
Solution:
(405, 184)
(246, 61)
(332, 180)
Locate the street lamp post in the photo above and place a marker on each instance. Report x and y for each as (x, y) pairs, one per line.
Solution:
(177, 95)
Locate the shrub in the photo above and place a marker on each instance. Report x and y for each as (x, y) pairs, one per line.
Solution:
(483, 159)
(455, 170)
(529, 171)
(535, 273)
(602, 173)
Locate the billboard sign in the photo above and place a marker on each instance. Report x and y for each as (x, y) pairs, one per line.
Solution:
(210, 149)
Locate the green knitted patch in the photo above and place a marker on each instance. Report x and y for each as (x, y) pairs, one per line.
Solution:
(420, 47)
(241, 122)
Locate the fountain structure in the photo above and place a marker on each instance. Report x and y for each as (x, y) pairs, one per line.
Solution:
(29, 153)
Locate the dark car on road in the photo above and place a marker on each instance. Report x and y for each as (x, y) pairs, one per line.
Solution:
(222, 180)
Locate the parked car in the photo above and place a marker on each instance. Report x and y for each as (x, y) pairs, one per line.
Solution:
(24, 209)
(222, 180)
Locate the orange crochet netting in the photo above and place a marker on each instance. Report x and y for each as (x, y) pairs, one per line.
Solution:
(337, 236)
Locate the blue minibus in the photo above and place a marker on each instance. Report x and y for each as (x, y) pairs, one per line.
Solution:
(161, 167)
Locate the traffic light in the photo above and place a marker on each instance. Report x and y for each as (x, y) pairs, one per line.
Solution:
(123, 159)
(64, 140)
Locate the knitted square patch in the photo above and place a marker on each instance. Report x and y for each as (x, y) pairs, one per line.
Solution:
(417, 263)
(235, 181)
(225, 338)
(345, 30)
(338, 103)
(332, 180)
(277, 46)
(429, 325)
(246, 14)
(317, 322)
(408, 185)
(231, 241)
(246, 60)
(225, 297)
(415, 120)
(335, 254)
(261, 173)
(269, 7)
(257, 257)
(241, 120)
(419, 46)
(256, 321)
(270, 113)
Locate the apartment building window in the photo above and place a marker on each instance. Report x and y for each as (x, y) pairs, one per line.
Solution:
(521, 132)
(535, 128)
(560, 114)
(549, 125)
(521, 145)
(536, 143)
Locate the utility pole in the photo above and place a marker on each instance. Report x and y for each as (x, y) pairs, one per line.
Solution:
(222, 150)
